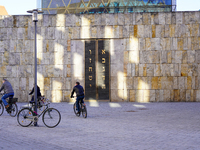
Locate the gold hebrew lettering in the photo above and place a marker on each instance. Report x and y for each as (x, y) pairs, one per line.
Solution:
(103, 69)
(90, 69)
(90, 60)
(90, 51)
(90, 85)
(103, 77)
(103, 60)
(90, 78)
(103, 51)
(103, 86)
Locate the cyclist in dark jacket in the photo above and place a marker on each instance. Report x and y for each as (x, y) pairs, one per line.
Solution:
(79, 94)
(38, 93)
(9, 92)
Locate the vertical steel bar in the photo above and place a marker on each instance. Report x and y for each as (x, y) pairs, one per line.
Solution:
(35, 71)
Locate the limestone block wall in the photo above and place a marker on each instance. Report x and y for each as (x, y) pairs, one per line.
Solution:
(153, 56)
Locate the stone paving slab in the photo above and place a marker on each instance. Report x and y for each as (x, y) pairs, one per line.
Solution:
(119, 126)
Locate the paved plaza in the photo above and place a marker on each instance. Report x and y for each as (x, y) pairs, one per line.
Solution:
(109, 126)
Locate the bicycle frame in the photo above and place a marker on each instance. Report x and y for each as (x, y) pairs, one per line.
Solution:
(35, 118)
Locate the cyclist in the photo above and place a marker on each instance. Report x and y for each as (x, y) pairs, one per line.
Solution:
(9, 92)
(79, 94)
(38, 93)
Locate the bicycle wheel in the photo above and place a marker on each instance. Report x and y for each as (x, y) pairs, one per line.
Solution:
(51, 117)
(84, 111)
(14, 110)
(22, 117)
(1, 109)
(75, 110)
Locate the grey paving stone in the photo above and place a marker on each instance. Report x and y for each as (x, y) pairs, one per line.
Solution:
(119, 126)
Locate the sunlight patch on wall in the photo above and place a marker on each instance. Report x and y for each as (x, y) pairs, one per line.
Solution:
(112, 51)
(134, 50)
(56, 85)
(108, 32)
(120, 84)
(78, 65)
(39, 40)
(40, 81)
(125, 90)
(85, 29)
(142, 94)
(58, 96)
(60, 20)
(85, 21)
(59, 55)
(39, 49)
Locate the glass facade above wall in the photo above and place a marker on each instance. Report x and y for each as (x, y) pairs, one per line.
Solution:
(105, 6)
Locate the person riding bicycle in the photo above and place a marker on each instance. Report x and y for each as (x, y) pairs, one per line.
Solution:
(79, 94)
(38, 93)
(9, 92)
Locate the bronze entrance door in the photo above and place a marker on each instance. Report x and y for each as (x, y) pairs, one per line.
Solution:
(97, 63)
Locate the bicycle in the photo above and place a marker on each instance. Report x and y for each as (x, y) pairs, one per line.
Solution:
(11, 101)
(50, 116)
(82, 108)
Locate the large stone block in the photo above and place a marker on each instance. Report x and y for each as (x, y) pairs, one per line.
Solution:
(167, 83)
(117, 95)
(156, 83)
(8, 21)
(154, 18)
(166, 96)
(146, 19)
(168, 18)
(149, 56)
(132, 95)
(160, 31)
(147, 31)
(50, 33)
(121, 19)
(23, 84)
(71, 20)
(14, 82)
(197, 95)
(60, 20)
(142, 45)
(3, 71)
(138, 18)
(195, 43)
(191, 17)
(3, 34)
(150, 69)
(76, 33)
(184, 59)
(66, 95)
(111, 19)
(157, 71)
(142, 69)
(57, 83)
(182, 82)
(179, 18)
(197, 56)
(166, 70)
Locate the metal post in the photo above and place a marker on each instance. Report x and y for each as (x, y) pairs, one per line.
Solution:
(35, 71)
(35, 13)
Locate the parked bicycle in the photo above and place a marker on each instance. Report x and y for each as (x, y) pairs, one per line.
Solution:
(50, 116)
(82, 108)
(11, 101)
